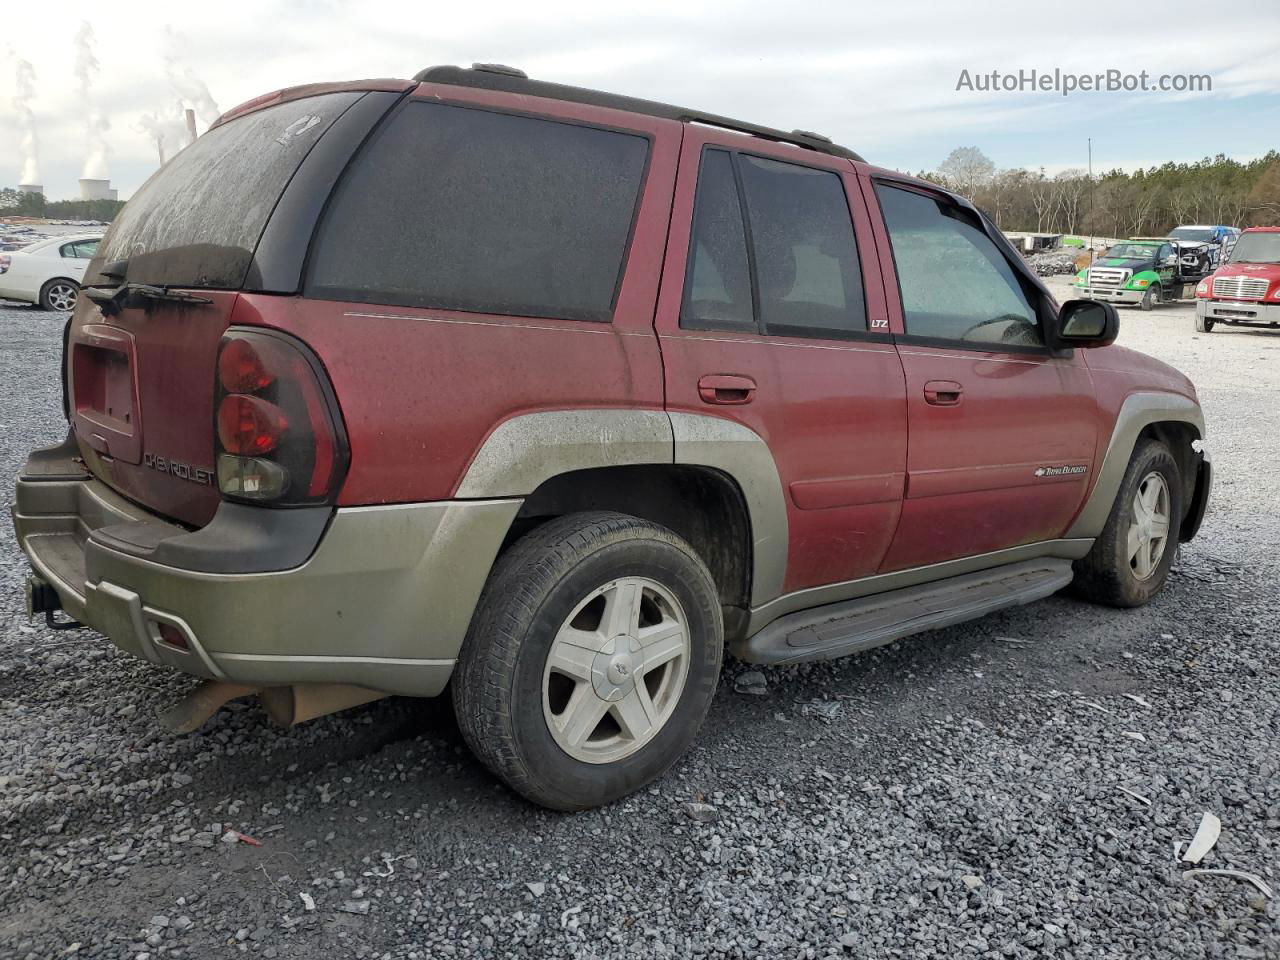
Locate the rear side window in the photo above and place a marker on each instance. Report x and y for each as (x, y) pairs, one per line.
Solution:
(718, 284)
(197, 221)
(464, 209)
(791, 268)
(954, 282)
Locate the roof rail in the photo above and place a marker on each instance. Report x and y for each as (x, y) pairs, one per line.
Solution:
(493, 76)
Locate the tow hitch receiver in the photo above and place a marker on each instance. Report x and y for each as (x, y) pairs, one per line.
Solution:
(42, 598)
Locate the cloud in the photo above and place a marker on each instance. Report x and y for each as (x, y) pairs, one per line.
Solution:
(878, 78)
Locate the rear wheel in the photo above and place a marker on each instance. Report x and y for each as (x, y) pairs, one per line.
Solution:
(1130, 561)
(1204, 324)
(59, 296)
(592, 659)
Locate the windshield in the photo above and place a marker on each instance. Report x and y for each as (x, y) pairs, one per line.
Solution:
(197, 221)
(1197, 234)
(1257, 248)
(1129, 251)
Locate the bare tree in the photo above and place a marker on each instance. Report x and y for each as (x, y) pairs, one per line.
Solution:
(967, 169)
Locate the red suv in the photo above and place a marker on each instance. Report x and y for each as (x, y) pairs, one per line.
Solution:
(549, 395)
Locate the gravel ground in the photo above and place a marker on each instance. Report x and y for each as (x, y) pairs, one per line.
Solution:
(955, 795)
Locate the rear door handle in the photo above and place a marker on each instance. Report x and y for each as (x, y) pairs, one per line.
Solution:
(943, 393)
(726, 388)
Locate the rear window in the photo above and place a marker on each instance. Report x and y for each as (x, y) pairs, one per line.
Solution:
(466, 209)
(197, 221)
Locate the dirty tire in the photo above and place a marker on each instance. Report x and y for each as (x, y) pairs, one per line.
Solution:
(1105, 575)
(1150, 298)
(1204, 324)
(534, 586)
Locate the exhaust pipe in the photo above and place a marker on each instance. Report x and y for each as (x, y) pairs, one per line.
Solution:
(290, 706)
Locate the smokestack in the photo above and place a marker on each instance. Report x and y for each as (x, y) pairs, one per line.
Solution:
(30, 188)
(28, 143)
(191, 125)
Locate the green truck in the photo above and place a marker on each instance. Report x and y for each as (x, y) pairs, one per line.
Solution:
(1145, 272)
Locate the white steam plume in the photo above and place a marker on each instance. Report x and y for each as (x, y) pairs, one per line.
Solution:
(95, 123)
(185, 82)
(167, 130)
(28, 143)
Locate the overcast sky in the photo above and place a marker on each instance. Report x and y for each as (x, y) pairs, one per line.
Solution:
(880, 79)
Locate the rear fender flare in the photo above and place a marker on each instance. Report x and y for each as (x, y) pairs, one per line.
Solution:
(526, 450)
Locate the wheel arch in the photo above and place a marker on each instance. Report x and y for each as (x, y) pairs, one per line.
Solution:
(1175, 419)
(703, 471)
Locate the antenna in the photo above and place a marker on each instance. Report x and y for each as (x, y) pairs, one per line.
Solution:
(1090, 143)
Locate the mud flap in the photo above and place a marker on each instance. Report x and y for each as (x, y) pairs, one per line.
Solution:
(190, 713)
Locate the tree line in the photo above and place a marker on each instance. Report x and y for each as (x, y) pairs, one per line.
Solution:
(18, 204)
(1146, 202)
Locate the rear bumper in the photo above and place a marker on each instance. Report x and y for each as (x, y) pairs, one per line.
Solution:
(1111, 294)
(1239, 311)
(383, 600)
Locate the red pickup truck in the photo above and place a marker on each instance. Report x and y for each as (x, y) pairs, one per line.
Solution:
(549, 395)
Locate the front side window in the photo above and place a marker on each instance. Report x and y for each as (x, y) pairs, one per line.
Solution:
(954, 282)
(791, 268)
(466, 209)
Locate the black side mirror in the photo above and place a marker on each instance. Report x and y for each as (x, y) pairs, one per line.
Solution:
(1086, 323)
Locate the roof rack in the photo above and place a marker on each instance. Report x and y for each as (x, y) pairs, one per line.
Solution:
(494, 76)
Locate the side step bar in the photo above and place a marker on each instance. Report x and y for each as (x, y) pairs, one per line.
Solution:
(839, 629)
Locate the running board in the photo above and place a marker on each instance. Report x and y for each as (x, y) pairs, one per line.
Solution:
(851, 626)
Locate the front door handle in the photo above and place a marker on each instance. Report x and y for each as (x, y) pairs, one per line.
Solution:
(943, 393)
(726, 388)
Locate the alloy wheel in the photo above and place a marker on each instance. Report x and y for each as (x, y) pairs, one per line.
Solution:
(1149, 529)
(616, 670)
(62, 297)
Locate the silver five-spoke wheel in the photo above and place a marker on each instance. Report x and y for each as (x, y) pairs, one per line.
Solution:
(1149, 530)
(615, 670)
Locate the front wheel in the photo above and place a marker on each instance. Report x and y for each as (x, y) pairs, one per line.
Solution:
(59, 296)
(591, 661)
(1150, 298)
(1204, 324)
(1130, 561)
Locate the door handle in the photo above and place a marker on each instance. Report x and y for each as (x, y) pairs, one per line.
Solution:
(724, 388)
(943, 393)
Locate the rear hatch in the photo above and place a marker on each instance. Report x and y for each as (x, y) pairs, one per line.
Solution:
(141, 365)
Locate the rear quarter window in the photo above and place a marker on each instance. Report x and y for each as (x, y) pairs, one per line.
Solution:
(197, 221)
(467, 209)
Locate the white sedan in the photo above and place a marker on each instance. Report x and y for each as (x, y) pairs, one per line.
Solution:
(48, 272)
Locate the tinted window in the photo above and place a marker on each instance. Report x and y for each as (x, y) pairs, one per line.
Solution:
(718, 284)
(806, 259)
(803, 257)
(197, 221)
(465, 209)
(955, 283)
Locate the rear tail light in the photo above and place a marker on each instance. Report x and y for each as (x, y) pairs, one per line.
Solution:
(280, 439)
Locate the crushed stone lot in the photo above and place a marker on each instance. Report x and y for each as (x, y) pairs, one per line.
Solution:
(966, 793)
